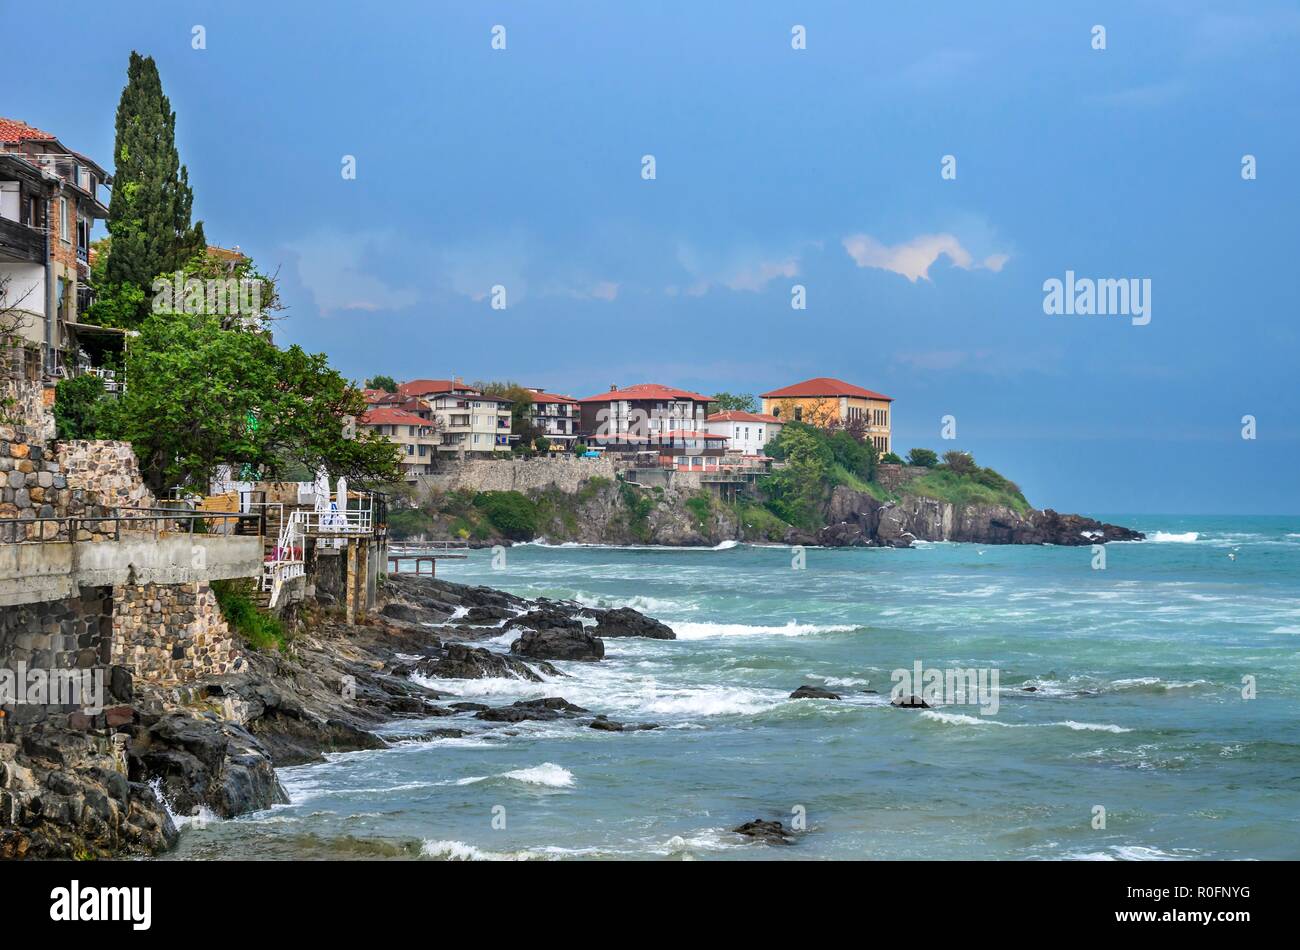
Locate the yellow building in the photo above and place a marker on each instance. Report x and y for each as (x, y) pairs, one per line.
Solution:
(832, 402)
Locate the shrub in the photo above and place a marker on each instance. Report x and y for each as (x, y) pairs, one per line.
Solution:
(925, 458)
(259, 629)
(79, 407)
(960, 463)
(889, 458)
(510, 513)
(700, 505)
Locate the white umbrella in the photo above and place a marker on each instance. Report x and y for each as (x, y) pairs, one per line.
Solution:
(341, 487)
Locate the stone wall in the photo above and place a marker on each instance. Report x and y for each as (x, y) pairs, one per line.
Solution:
(39, 479)
(105, 473)
(69, 634)
(31, 485)
(894, 477)
(26, 406)
(171, 634)
(521, 475)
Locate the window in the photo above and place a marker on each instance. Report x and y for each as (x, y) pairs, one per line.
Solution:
(798, 413)
(65, 226)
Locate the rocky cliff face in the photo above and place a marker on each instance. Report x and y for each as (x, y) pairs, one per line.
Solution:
(858, 519)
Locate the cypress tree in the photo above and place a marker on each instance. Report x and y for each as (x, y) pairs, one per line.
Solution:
(149, 216)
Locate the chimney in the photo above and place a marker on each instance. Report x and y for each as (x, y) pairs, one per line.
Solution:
(613, 387)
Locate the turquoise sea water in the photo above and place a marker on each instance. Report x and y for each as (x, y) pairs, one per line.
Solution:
(1139, 709)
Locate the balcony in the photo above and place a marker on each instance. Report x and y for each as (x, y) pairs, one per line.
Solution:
(20, 243)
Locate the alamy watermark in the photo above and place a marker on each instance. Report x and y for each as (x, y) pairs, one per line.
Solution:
(213, 296)
(35, 686)
(954, 687)
(1104, 297)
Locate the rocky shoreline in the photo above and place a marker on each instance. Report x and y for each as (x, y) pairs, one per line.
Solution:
(114, 784)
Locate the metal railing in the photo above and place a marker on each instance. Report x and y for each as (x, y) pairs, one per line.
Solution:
(155, 521)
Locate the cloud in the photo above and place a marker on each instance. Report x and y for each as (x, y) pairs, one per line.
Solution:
(913, 259)
(338, 270)
(746, 271)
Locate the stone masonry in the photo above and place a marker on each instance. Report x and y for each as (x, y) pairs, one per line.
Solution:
(171, 634)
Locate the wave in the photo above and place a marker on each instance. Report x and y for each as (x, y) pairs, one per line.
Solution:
(1170, 537)
(460, 851)
(691, 630)
(960, 719)
(548, 774)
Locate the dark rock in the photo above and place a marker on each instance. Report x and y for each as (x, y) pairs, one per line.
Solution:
(769, 832)
(555, 643)
(813, 692)
(205, 762)
(463, 662)
(550, 708)
(911, 702)
(626, 622)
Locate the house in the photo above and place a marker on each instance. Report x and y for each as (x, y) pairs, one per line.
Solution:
(49, 202)
(827, 402)
(469, 422)
(644, 409)
(555, 417)
(747, 432)
(417, 437)
(661, 425)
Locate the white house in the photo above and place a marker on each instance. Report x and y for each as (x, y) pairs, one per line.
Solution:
(747, 432)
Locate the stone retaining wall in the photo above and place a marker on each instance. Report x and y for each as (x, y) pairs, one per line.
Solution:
(171, 634)
(521, 475)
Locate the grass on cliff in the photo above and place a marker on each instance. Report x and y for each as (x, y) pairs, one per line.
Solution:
(982, 487)
(259, 629)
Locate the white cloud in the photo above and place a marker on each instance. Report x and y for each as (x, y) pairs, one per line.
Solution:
(333, 267)
(913, 259)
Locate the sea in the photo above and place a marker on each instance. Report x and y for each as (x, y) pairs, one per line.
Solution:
(1147, 707)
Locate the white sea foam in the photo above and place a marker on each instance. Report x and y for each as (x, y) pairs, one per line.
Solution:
(1170, 537)
(692, 630)
(548, 774)
(1091, 726)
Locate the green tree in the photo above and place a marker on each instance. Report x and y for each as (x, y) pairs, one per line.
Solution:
(922, 457)
(960, 463)
(79, 407)
(798, 492)
(386, 383)
(149, 217)
(740, 402)
(199, 396)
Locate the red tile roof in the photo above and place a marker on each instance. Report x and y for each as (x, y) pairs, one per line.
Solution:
(424, 387)
(12, 130)
(390, 417)
(373, 396)
(824, 386)
(646, 391)
(736, 415)
(551, 397)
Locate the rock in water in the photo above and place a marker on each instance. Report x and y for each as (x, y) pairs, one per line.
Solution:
(204, 762)
(769, 832)
(552, 707)
(813, 692)
(911, 702)
(626, 622)
(460, 662)
(555, 643)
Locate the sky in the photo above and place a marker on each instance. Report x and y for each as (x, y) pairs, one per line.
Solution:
(821, 167)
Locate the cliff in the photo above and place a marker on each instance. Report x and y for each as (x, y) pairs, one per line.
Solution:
(601, 511)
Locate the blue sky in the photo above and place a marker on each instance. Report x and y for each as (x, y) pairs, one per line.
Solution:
(775, 167)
